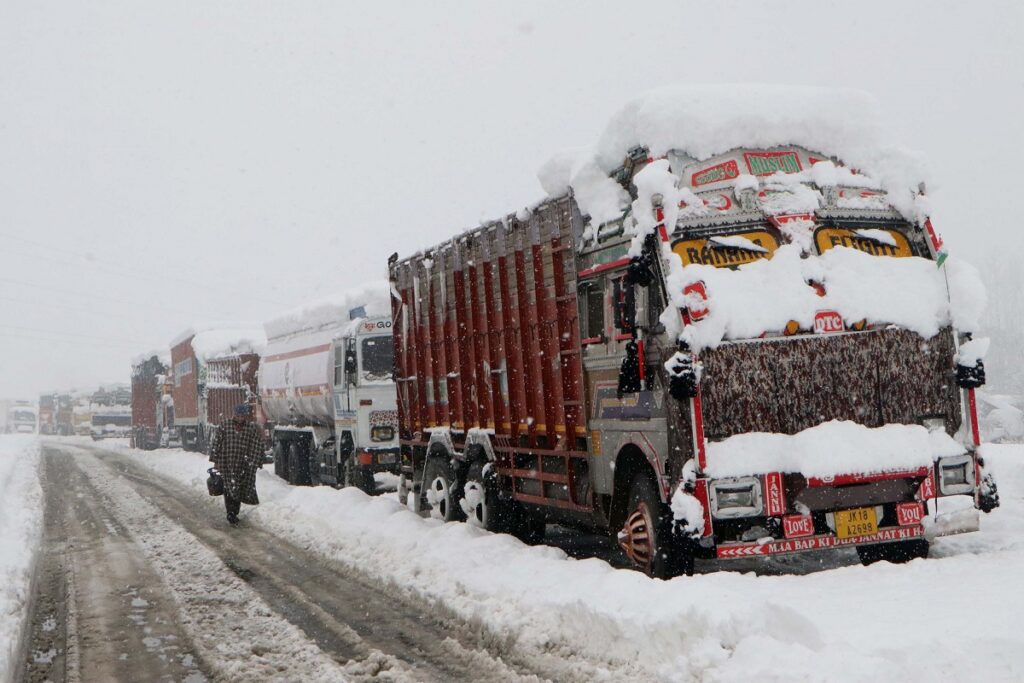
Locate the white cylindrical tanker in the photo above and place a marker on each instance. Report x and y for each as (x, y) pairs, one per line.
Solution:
(326, 385)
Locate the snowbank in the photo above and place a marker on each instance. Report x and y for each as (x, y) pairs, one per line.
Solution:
(830, 449)
(329, 311)
(21, 522)
(952, 618)
(765, 295)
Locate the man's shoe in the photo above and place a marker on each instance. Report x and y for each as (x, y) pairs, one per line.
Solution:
(232, 518)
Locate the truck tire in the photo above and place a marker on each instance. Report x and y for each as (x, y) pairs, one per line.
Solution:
(648, 536)
(480, 503)
(439, 495)
(897, 553)
(359, 477)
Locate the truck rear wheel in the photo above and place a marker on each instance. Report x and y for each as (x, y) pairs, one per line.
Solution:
(480, 501)
(647, 536)
(439, 496)
(897, 553)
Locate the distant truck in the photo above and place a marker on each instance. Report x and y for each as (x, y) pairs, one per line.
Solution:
(111, 422)
(148, 374)
(326, 386)
(48, 414)
(710, 370)
(214, 369)
(20, 418)
(81, 419)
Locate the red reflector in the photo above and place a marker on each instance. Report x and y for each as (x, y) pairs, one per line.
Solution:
(366, 402)
(366, 458)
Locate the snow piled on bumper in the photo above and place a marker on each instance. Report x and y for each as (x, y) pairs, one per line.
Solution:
(21, 522)
(830, 449)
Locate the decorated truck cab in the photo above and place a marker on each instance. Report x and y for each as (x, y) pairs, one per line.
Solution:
(722, 336)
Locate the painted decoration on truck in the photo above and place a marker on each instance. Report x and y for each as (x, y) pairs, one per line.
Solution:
(886, 242)
(768, 163)
(727, 251)
(714, 174)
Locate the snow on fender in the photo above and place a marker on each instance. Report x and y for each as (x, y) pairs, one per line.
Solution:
(688, 512)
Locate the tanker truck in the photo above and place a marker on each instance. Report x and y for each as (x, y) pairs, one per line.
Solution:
(326, 386)
(720, 336)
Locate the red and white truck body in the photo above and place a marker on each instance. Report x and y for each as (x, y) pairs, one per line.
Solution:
(751, 358)
(326, 385)
(215, 368)
(148, 373)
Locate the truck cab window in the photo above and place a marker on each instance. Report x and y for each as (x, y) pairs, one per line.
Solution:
(339, 366)
(378, 359)
(591, 297)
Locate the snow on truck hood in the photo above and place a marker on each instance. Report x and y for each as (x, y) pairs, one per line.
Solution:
(830, 449)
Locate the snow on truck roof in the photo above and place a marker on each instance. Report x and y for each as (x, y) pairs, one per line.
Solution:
(332, 311)
(701, 121)
(216, 340)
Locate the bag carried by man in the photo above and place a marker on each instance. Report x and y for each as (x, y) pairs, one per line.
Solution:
(215, 482)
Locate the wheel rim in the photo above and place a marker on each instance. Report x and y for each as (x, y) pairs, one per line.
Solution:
(474, 504)
(637, 537)
(439, 498)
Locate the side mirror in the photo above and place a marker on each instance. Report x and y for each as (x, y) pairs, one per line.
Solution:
(968, 377)
(629, 373)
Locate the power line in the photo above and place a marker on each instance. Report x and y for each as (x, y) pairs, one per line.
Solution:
(119, 270)
(61, 333)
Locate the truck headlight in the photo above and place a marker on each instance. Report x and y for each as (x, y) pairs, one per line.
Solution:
(956, 474)
(736, 497)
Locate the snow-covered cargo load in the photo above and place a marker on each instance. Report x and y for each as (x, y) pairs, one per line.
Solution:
(730, 330)
(326, 385)
(214, 367)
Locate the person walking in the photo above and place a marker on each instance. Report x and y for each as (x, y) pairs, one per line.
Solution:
(237, 452)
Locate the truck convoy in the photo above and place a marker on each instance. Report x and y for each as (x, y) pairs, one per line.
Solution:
(214, 369)
(721, 346)
(326, 385)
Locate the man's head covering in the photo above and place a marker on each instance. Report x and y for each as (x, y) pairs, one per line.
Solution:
(243, 410)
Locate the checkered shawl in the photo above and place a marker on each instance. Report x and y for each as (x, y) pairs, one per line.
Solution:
(237, 454)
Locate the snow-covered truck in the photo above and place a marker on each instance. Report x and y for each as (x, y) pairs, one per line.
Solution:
(110, 422)
(48, 413)
(326, 385)
(148, 413)
(720, 336)
(20, 418)
(215, 367)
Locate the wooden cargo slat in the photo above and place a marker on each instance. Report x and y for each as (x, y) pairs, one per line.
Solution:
(438, 413)
(467, 360)
(550, 373)
(513, 349)
(496, 346)
(451, 346)
(528, 343)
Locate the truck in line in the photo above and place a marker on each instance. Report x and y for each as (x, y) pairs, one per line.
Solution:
(214, 368)
(326, 386)
(19, 417)
(633, 375)
(148, 413)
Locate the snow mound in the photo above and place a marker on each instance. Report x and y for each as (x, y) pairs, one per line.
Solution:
(21, 521)
(700, 121)
(220, 339)
(329, 311)
(830, 449)
(765, 295)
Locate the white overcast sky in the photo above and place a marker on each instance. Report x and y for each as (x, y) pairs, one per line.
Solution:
(163, 163)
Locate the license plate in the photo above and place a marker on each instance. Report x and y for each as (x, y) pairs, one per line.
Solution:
(857, 522)
(386, 458)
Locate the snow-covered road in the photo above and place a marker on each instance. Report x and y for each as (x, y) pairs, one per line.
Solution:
(357, 587)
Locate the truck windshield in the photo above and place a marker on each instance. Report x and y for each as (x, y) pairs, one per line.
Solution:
(378, 359)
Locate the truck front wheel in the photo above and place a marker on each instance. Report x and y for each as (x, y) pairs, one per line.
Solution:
(647, 536)
(897, 553)
(439, 496)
